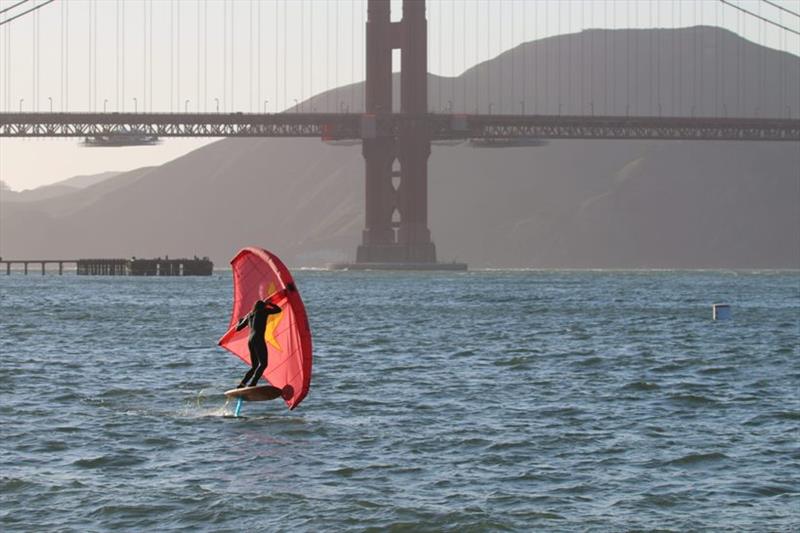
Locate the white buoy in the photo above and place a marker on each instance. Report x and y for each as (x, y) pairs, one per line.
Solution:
(721, 311)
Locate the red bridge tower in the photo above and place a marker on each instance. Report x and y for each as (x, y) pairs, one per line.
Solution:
(396, 168)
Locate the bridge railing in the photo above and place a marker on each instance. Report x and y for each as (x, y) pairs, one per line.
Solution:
(330, 126)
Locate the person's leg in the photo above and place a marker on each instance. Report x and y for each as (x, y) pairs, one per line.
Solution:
(260, 355)
(253, 366)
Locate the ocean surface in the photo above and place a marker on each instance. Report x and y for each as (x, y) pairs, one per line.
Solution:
(479, 401)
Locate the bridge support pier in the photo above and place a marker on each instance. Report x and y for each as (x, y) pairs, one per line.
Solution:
(396, 233)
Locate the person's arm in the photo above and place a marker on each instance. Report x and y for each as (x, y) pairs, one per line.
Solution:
(242, 322)
(272, 308)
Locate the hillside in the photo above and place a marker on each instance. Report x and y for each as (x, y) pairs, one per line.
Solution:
(580, 204)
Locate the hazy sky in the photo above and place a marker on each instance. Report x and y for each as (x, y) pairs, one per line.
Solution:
(195, 55)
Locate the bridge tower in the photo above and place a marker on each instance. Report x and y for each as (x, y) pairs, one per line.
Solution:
(396, 168)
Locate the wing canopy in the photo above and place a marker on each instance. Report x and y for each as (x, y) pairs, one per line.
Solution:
(258, 275)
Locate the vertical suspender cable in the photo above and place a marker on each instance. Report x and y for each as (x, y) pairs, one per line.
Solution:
(658, 70)
(582, 60)
(6, 69)
(258, 57)
(568, 77)
(513, 62)
(285, 56)
(353, 57)
(465, 60)
(178, 60)
(94, 56)
(302, 52)
(336, 59)
(117, 61)
(275, 72)
(364, 55)
(628, 31)
(233, 56)
(225, 55)
(682, 43)
(61, 57)
(440, 73)
(250, 59)
(197, 70)
(763, 64)
(592, 50)
(547, 44)
(489, 59)
(150, 56)
(524, 54)
(741, 78)
(717, 62)
(171, 55)
(606, 32)
(557, 42)
(651, 30)
(33, 63)
(503, 58)
(698, 97)
(477, 59)
(327, 57)
(721, 60)
(500, 56)
(122, 55)
(205, 56)
(144, 57)
(38, 60)
(452, 54)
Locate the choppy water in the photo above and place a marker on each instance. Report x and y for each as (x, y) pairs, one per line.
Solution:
(447, 402)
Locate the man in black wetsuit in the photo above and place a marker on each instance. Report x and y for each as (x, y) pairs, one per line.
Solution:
(257, 321)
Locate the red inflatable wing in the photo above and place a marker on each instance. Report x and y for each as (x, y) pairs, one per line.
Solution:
(258, 275)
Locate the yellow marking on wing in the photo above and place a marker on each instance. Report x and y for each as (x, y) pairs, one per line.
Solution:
(272, 323)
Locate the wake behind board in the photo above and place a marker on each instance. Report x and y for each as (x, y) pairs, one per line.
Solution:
(259, 393)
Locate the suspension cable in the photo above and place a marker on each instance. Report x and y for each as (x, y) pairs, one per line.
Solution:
(34, 8)
(768, 21)
(773, 4)
(9, 8)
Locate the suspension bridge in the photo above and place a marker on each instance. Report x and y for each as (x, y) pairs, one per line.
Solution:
(691, 97)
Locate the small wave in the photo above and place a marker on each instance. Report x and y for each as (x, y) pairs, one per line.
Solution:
(514, 362)
(344, 471)
(590, 361)
(641, 386)
(109, 461)
(786, 415)
(696, 458)
(10, 484)
(695, 400)
(712, 370)
(773, 490)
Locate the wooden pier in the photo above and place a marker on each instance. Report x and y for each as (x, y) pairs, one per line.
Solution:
(119, 267)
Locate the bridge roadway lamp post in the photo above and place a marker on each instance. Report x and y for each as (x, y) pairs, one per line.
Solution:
(186, 106)
(265, 106)
(51, 103)
(217, 101)
(20, 104)
(105, 103)
(135, 105)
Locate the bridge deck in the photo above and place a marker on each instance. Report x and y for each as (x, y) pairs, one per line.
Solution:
(329, 126)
